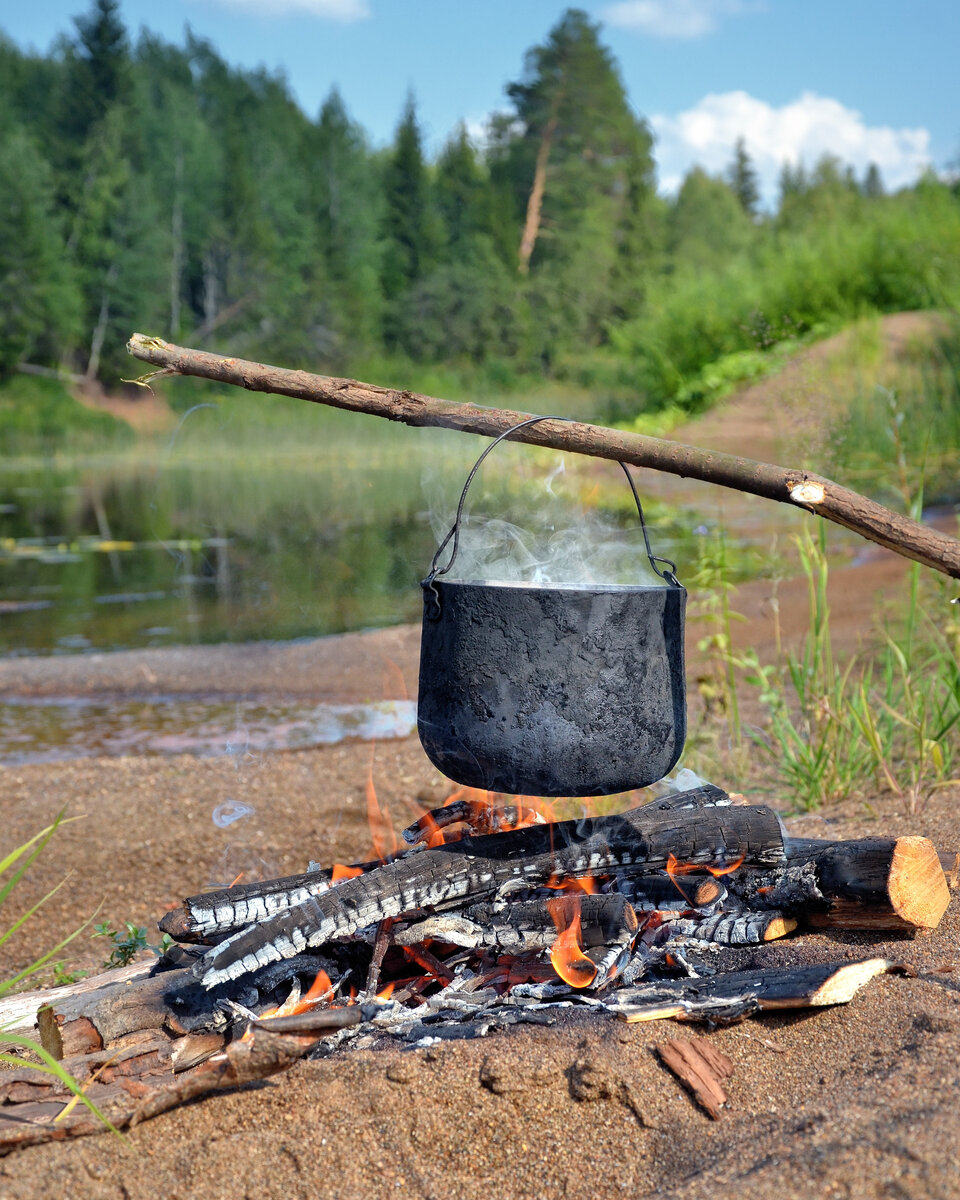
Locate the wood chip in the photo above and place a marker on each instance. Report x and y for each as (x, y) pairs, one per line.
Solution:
(700, 1067)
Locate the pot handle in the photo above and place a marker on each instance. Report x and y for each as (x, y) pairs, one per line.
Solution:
(669, 574)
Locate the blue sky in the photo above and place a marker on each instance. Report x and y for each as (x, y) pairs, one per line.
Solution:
(869, 80)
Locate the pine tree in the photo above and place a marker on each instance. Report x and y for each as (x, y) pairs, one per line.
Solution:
(463, 194)
(348, 208)
(742, 177)
(98, 69)
(580, 136)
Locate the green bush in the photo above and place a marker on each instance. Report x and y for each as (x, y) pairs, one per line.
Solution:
(37, 412)
(901, 252)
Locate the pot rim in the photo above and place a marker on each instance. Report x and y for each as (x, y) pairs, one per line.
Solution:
(572, 588)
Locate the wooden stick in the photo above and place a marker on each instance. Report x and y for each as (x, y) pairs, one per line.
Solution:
(700, 1067)
(800, 488)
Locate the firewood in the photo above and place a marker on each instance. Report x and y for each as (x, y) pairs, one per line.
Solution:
(645, 838)
(800, 488)
(739, 994)
(869, 883)
(736, 929)
(700, 1067)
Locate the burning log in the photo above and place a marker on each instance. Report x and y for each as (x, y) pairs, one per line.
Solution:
(702, 829)
(738, 994)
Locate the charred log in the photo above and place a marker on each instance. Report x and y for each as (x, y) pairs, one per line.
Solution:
(706, 829)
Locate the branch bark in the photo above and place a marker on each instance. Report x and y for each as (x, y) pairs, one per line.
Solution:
(802, 489)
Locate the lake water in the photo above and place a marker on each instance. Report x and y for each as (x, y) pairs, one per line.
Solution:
(319, 530)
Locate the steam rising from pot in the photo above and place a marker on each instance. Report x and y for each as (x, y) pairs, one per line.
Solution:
(563, 541)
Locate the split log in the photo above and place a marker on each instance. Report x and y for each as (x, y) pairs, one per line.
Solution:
(867, 883)
(700, 1067)
(735, 929)
(814, 493)
(646, 838)
(738, 994)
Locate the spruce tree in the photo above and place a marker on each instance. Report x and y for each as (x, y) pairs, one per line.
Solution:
(407, 222)
(872, 182)
(99, 68)
(742, 177)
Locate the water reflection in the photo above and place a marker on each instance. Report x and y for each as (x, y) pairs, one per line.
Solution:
(52, 729)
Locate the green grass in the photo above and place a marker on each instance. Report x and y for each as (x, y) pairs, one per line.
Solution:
(899, 425)
(885, 721)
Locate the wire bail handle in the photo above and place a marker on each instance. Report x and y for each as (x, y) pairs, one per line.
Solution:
(433, 607)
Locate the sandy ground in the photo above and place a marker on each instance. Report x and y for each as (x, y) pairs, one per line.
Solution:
(850, 1102)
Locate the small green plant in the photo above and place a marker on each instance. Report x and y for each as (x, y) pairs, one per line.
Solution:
(128, 942)
(63, 976)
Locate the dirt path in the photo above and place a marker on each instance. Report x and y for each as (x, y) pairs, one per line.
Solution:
(850, 1102)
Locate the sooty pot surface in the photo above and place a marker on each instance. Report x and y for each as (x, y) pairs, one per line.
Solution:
(553, 691)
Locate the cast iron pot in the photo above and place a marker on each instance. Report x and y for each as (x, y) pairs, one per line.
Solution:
(551, 690)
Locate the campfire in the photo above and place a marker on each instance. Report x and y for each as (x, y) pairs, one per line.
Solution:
(493, 914)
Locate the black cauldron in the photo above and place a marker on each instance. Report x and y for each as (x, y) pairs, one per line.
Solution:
(552, 690)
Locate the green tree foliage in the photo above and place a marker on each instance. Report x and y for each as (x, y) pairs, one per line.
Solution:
(39, 299)
(575, 139)
(407, 223)
(708, 223)
(348, 207)
(152, 186)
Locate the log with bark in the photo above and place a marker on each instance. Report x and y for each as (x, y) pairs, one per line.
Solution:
(801, 488)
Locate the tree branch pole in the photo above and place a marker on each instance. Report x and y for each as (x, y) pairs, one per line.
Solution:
(802, 489)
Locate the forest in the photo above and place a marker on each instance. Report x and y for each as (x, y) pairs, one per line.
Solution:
(150, 186)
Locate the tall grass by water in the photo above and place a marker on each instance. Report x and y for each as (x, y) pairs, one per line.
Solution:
(835, 728)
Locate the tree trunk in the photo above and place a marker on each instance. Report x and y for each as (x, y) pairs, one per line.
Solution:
(531, 226)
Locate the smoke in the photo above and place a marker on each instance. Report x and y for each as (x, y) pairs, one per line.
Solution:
(550, 531)
(225, 814)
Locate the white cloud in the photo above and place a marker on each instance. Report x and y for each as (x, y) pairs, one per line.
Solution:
(343, 11)
(673, 18)
(801, 131)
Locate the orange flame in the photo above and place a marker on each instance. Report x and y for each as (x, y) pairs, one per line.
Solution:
(716, 872)
(566, 955)
(675, 867)
(387, 992)
(321, 989)
(340, 871)
(381, 827)
(568, 883)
